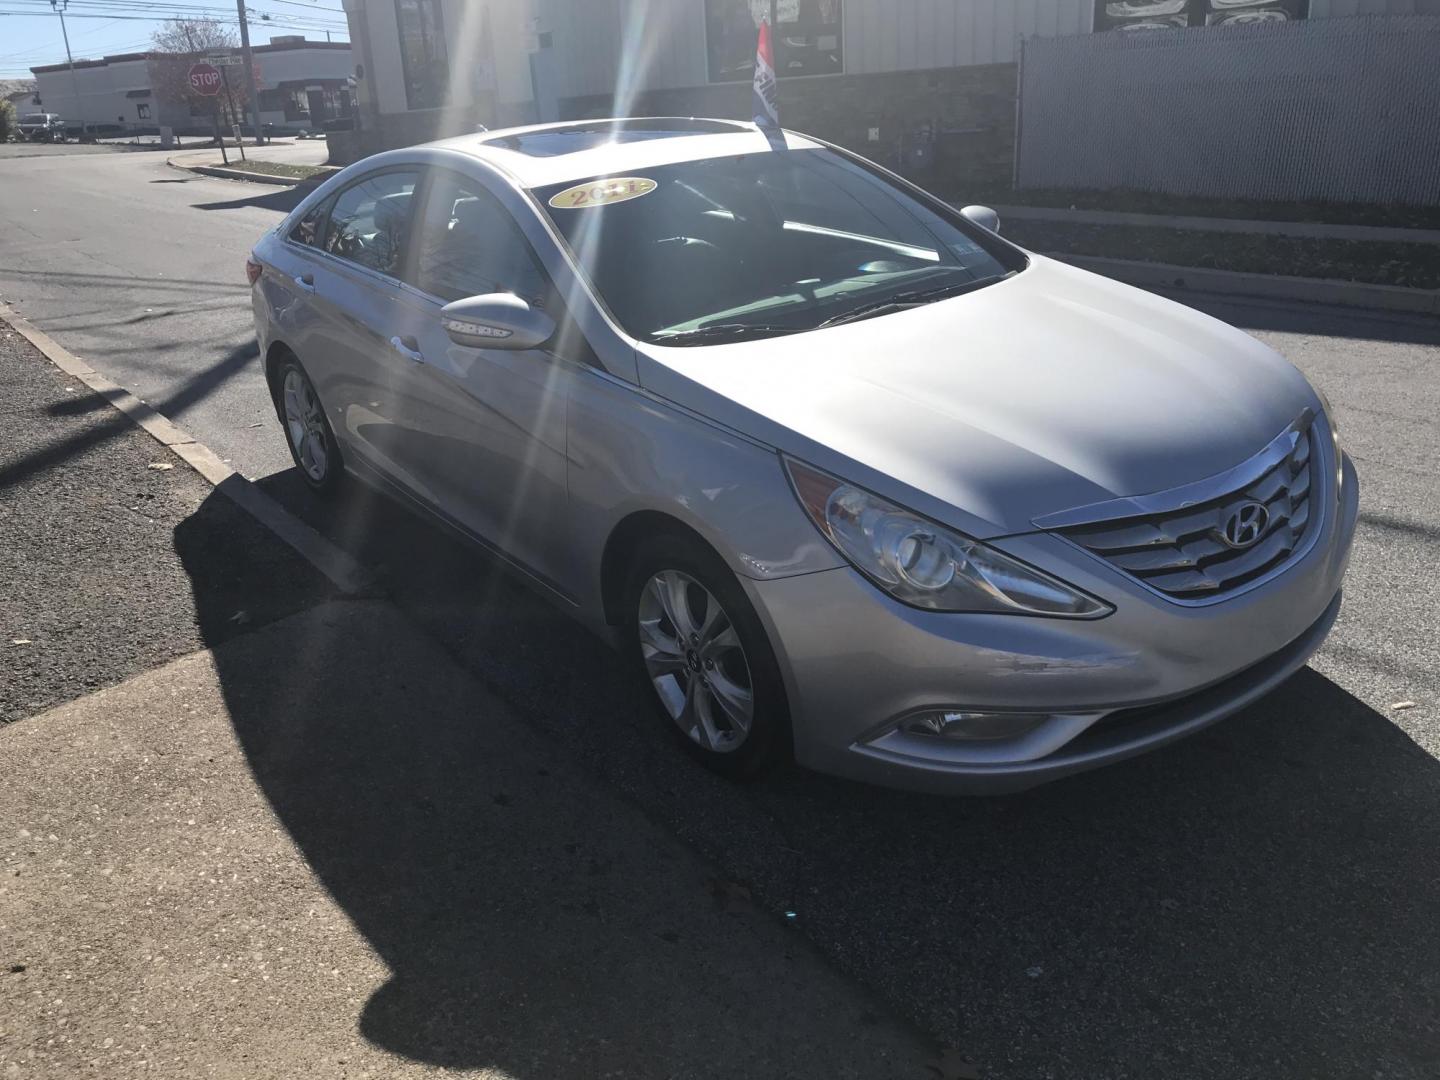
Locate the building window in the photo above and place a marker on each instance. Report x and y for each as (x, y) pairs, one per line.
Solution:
(422, 52)
(142, 111)
(271, 101)
(807, 37)
(1131, 15)
(296, 104)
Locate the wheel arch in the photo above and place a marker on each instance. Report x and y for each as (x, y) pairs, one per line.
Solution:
(275, 355)
(620, 547)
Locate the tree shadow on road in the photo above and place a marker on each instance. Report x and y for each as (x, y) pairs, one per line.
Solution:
(1257, 901)
(281, 199)
(191, 392)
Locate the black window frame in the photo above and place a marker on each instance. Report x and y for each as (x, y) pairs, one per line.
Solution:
(777, 43)
(1196, 13)
(422, 89)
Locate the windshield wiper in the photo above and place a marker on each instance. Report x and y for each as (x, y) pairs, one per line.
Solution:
(906, 300)
(702, 335)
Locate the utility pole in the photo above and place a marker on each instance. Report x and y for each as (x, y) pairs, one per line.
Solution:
(59, 6)
(249, 67)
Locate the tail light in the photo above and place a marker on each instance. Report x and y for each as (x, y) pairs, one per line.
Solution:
(252, 270)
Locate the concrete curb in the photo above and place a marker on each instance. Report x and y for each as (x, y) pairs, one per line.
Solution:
(1315, 230)
(248, 177)
(1150, 275)
(347, 574)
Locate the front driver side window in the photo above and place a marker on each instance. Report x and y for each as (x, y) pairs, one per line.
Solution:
(370, 222)
(470, 245)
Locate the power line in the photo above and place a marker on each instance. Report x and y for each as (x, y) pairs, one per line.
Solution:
(277, 19)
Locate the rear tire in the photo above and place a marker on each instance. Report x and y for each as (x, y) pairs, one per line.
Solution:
(703, 658)
(307, 429)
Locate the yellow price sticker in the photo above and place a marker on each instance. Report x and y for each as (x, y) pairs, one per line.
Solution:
(603, 193)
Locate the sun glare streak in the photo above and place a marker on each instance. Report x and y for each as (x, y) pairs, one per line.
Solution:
(468, 43)
(640, 39)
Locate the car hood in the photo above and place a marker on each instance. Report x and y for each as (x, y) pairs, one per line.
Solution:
(1052, 390)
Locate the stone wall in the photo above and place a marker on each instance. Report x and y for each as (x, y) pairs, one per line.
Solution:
(949, 128)
(393, 130)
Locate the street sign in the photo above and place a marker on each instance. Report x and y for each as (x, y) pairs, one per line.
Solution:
(205, 79)
(225, 60)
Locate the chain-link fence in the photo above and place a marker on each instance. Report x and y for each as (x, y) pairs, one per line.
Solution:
(1339, 109)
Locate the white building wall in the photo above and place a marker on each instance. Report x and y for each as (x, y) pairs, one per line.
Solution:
(604, 46)
(104, 88)
(1320, 9)
(287, 65)
(879, 35)
(102, 92)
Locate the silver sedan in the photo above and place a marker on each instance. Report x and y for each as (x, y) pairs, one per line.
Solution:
(844, 474)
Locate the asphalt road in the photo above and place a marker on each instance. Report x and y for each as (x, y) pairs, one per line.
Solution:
(140, 268)
(1259, 901)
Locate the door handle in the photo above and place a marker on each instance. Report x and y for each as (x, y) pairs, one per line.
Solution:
(405, 347)
(306, 282)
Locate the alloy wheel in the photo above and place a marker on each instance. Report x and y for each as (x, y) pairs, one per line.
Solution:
(696, 662)
(305, 425)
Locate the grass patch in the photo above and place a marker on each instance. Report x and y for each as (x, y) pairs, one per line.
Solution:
(1150, 202)
(275, 168)
(1416, 266)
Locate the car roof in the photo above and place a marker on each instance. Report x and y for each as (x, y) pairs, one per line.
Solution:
(544, 154)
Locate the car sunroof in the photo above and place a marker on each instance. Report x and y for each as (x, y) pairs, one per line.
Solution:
(572, 140)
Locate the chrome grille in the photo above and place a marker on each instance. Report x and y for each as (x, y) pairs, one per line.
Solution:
(1185, 552)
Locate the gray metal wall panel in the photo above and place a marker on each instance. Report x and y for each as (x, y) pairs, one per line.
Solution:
(1342, 109)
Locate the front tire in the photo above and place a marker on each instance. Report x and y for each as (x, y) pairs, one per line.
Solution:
(704, 658)
(307, 428)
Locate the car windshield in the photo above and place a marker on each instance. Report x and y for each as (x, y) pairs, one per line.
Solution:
(764, 244)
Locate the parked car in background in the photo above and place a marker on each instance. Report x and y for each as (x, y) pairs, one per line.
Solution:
(844, 473)
(42, 127)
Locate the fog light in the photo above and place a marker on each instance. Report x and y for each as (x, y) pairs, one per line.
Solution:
(972, 725)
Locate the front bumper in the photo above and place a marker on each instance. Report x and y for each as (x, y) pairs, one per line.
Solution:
(855, 660)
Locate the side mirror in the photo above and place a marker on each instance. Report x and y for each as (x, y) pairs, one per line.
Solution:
(982, 216)
(496, 321)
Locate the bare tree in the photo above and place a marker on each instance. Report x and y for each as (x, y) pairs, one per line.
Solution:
(180, 43)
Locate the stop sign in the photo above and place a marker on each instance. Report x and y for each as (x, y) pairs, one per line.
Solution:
(205, 79)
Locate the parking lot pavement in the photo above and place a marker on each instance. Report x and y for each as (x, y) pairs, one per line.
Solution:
(323, 850)
(91, 584)
(29, 149)
(1257, 901)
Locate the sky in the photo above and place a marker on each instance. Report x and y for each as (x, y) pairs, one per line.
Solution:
(30, 30)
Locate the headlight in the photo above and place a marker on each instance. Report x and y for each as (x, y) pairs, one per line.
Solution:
(925, 564)
(1334, 426)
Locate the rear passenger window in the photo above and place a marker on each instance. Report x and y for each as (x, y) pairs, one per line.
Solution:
(470, 245)
(370, 222)
(307, 229)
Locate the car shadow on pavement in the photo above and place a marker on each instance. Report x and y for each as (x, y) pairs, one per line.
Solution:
(277, 198)
(524, 930)
(1258, 900)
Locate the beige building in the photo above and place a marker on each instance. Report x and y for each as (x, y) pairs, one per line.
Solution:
(301, 84)
(913, 82)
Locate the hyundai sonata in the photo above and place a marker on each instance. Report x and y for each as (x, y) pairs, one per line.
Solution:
(845, 474)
